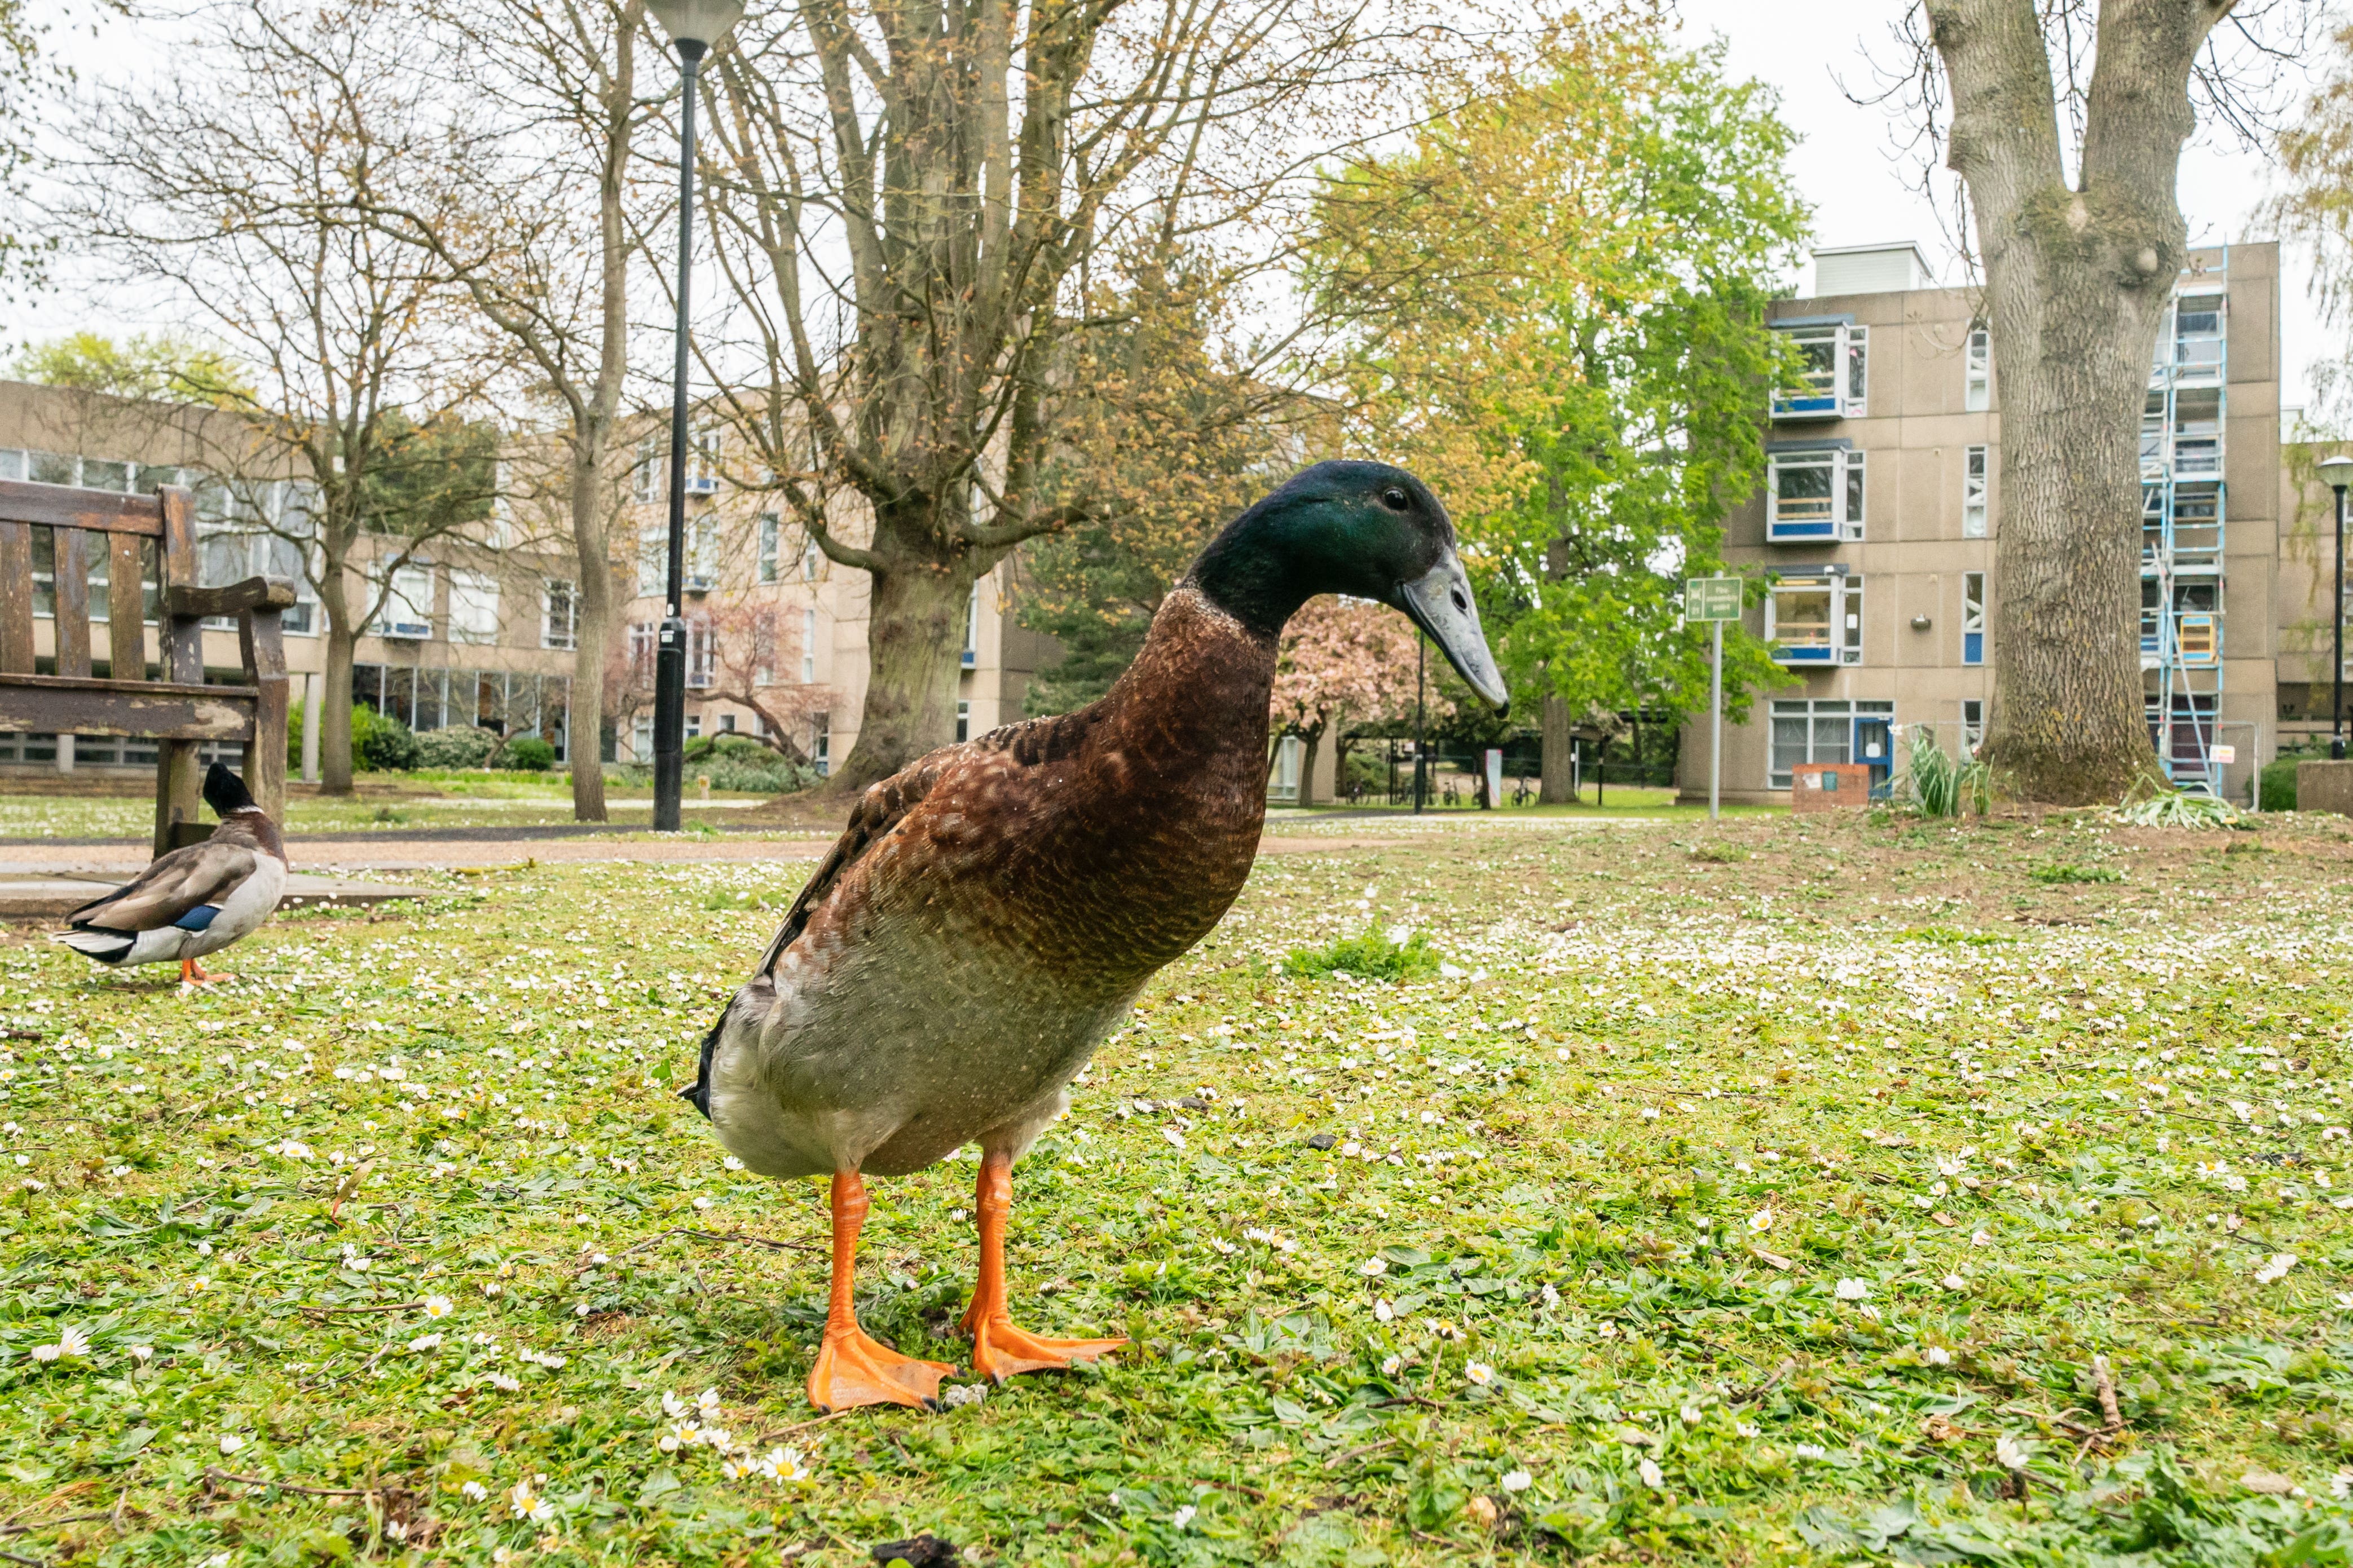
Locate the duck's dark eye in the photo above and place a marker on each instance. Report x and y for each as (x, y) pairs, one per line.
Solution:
(1393, 498)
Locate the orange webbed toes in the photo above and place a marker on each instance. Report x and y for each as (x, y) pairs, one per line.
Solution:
(1000, 1350)
(854, 1369)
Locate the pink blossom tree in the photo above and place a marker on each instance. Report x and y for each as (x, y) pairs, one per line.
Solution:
(1344, 661)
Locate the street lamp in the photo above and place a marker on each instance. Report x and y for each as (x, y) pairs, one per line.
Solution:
(2338, 472)
(693, 27)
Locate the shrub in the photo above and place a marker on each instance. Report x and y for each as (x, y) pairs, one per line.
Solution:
(1939, 783)
(1372, 956)
(2061, 871)
(381, 741)
(460, 746)
(2277, 791)
(530, 754)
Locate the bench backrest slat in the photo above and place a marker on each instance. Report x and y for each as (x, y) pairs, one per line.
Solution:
(73, 617)
(62, 506)
(126, 637)
(15, 598)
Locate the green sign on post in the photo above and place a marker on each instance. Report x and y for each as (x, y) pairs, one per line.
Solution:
(1711, 598)
(1714, 600)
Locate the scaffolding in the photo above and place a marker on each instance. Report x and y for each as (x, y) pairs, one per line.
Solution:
(2182, 511)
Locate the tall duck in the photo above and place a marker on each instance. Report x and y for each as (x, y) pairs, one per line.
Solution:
(994, 908)
(194, 902)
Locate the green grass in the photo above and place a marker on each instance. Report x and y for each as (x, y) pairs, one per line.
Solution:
(384, 802)
(2064, 872)
(1747, 1212)
(1376, 955)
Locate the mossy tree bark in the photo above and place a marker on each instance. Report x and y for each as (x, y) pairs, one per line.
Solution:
(2078, 279)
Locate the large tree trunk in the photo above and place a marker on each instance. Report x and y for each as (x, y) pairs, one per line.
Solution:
(336, 705)
(2077, 283)
(914, 642)
(1558, 786)
(592, 602)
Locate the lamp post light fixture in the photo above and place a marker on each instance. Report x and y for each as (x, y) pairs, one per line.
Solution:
(2337, 473)
(694, 25)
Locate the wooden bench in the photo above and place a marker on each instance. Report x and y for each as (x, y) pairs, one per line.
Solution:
(177, 710)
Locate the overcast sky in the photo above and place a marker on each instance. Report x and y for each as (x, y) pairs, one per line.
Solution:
(1864, 185)
(1850, 164)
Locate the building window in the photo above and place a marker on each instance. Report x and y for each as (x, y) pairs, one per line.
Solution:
(642, 738)
(809, 647)
(821, 744)
(727, 723)
(1830, 377)
(771, 528)
(812, 562)
(1976, 368)
(1972, 725)
(645, 644)
(964, 720)
(763, 651)
(1813, 496)
(701, 651)
(2197, 337)
(1973, 617)
(701, 553)
(562, 627)
(1973, 492)
(1820, 730)
(1282, 778)
(473, 607)
(653, 562)
(694, 726)
(702, 464)
(1815, 618)
(645, 474)
(407, 612)
(971, 629)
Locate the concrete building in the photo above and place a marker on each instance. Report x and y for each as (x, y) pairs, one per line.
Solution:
(1881, 502)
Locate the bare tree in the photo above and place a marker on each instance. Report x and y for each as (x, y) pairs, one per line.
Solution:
(753, 649)
(2023, 94)
(533, 223)
(230, 187)
(908, 200)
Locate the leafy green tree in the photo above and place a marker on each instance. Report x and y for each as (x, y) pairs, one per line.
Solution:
(155, 367)
(1561, 292)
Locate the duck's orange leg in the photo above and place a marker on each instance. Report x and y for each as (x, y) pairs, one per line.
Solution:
(192, 973)
(852, 1368)
(998, 1349)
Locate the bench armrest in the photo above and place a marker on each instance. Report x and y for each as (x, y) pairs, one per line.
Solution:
(253, 594)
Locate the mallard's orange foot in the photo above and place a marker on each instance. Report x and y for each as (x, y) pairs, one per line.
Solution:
(854, 1369)
(193, 973)
(1000, 1350)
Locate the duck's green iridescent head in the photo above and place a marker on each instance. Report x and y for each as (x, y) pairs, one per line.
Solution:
(1367, 530)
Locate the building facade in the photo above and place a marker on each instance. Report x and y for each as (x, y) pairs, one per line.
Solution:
(476, 628)
(1876, 527)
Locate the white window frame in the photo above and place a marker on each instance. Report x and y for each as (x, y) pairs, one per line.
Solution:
(809, 647)
(963, 720)
(559, 621)
(701, 654)
(1811, 712)
(812, 561)
(407, 612)
(1837, 390)
(1840, 520)
(1972, 725)
(703, 463)
(701, 553)
(971, 629)
(1282, 777)
(1973, 617)
(642, 738)
(1840, 643)
(1977, 473)
(1977, 370)
(473, 606)
(772, 531)
(821, 744)
(645, 474)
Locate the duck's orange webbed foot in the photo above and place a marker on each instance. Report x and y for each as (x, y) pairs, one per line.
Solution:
(854, 1368)
(193, 973)
(999, 1350)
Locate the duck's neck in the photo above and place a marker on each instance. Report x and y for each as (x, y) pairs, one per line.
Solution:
(1201, 686)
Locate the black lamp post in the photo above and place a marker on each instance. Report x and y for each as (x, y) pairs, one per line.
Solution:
(693, 27)
(2338, 472)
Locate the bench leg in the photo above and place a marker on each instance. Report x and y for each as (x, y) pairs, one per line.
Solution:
(178, 795)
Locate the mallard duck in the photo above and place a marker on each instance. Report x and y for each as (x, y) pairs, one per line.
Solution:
(191, 901)
(994, 909)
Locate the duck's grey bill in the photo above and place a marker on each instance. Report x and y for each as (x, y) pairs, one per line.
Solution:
(1440, 602)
